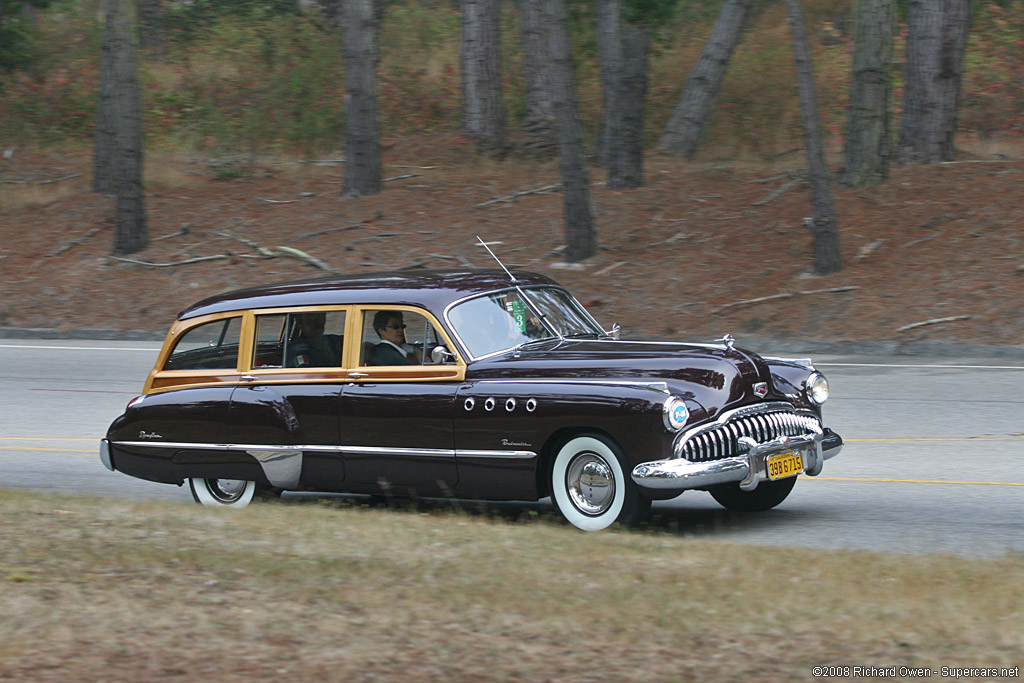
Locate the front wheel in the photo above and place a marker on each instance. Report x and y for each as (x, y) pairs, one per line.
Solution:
(590, 488)
(234, 493)
(767, 495)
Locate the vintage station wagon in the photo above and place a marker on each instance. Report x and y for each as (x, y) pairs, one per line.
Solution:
(469, 384)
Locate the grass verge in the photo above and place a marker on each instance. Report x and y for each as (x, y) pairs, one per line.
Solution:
(116, 590)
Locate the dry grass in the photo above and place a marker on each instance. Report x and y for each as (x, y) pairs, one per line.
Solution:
(120, 591)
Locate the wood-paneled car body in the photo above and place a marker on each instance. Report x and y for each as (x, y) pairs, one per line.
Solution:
(470, 384)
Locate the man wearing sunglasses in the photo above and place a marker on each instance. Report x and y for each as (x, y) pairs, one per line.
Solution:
(392, 348)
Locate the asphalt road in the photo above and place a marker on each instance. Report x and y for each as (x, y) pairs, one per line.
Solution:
(933, 463)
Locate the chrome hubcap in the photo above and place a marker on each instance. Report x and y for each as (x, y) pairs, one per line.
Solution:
(590, 483)
(226, 490)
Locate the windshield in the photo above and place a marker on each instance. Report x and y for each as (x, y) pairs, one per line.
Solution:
(503, 320)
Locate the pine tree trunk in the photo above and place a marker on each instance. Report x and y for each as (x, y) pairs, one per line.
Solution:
(824, 225)
(866, 151)
(626, 163)
(682, 134)
(580, 231)
(936, 44)
(608, 26)
(362, 136)
(151, 28)
(540, 137)
(122, 114)
(482, 104)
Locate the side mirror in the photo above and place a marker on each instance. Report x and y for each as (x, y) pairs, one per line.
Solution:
(440, 355)
(614, 332)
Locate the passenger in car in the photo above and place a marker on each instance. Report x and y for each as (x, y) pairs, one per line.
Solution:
(313, 348)
(392, 349)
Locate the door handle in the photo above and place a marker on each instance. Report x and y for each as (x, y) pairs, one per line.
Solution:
(358, 375)
(248, 378)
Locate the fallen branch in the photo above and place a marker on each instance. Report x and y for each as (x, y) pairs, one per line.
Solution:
(312, 260)
(73, 243)
(923, 239)
(747, 302)
(608, 269)
(357, 226)
(400, 177)
(778, 192)
(266, 253)
(168, 265)
(183, 231)
(783, 295)
(422, 168)
(59, 180)
(866, 250)
(830, 290)
(510, 197)
(277, 201)
(933, 321)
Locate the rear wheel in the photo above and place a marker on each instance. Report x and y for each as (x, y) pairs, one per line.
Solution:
(234, 493)
(589, 485)
(767, 495)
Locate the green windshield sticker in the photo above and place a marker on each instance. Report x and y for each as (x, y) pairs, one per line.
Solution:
(519, 315)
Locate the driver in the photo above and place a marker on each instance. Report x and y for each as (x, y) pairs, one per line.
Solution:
(393, 348)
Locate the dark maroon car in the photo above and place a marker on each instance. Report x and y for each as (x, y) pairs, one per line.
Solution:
(468, 384)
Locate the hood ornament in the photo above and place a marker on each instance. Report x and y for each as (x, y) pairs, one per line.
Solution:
(727, 340)
(760, 389)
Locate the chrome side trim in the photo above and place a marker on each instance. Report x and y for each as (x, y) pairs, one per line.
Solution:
(654, 384)
(285, 462)
(515, 455)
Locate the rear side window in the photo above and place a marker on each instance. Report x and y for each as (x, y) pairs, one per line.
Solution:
(210, 346)
(299, 340)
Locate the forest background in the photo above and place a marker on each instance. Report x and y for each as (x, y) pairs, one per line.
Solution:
(244, 93)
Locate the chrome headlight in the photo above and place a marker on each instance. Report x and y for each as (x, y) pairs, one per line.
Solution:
(817, 388)
(675, 413)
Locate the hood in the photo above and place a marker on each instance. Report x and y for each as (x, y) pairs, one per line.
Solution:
(712, 375)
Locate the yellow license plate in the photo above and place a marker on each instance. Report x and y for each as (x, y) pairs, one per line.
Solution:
(784, 465)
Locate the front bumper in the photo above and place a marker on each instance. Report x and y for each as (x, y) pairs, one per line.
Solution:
(748, 469)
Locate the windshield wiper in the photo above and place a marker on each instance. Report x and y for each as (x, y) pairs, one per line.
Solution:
(581, 335)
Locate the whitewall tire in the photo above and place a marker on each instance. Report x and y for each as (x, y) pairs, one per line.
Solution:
(232, 493)
(590, 487)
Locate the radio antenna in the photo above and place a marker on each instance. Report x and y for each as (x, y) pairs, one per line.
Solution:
(507, 272)
(529, 301)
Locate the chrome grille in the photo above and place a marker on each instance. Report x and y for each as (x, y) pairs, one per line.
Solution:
(761, 423)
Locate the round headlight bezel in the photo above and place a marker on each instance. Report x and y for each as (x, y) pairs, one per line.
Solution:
(674, 413)
(817, 388)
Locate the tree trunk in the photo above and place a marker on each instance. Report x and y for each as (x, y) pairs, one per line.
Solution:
(682, 134)
(540, 137)
(824, 226)
(362, 137)
(866, 153)
(151, 25)
(936, 43)
(482, 104)
(626, 162)
(118, 157)
(580, 231)
(608, 24)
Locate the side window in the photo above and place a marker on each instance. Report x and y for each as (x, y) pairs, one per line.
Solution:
(310, 339)
(212, 345)
(392, 337)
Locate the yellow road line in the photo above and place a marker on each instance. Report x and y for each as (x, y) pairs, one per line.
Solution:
(51, 450)
(918, 481)
(49, 438)
(937, 438)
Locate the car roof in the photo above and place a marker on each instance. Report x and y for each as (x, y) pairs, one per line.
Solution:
(431, 289)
